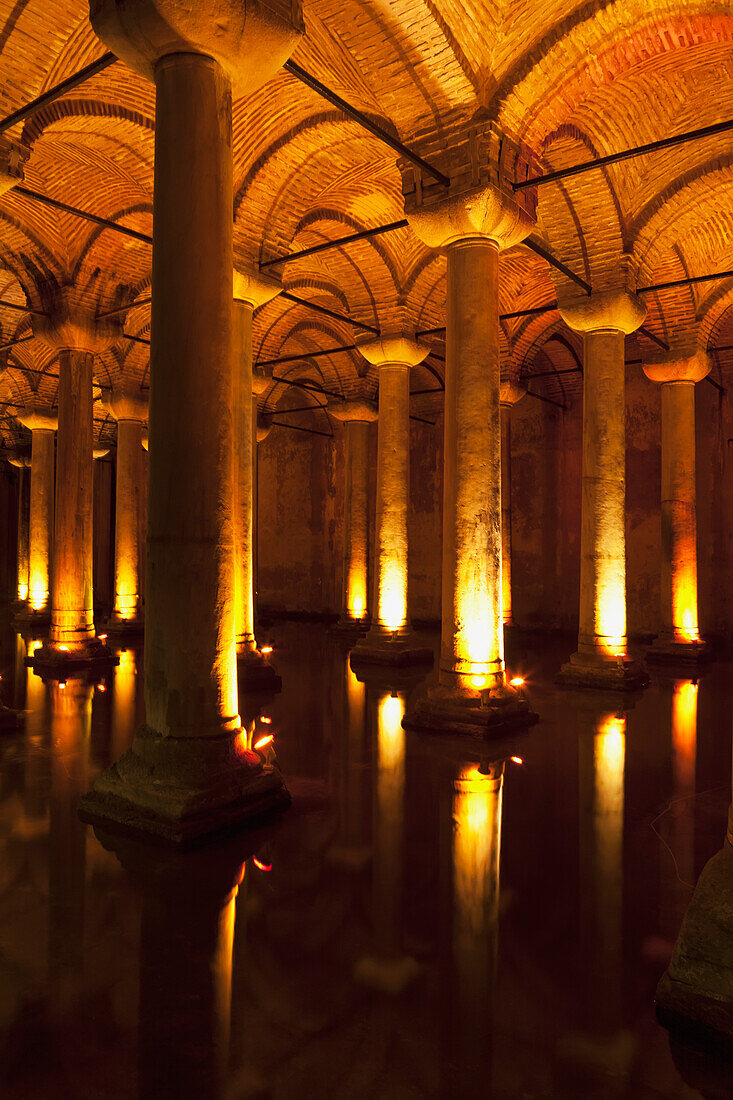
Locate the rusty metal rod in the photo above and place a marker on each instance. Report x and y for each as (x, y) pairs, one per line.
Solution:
(326, 312)
(56, 92)
(124, 309)
(105, 223)
(362, 235)
(22, 309)
(305, 355)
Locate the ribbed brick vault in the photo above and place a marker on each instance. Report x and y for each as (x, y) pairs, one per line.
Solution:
(572, 80)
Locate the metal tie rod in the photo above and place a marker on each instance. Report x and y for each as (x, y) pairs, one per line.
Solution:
(363, 120)
(625, 154)
(59, 90)
(362, 235)
(106, 223)
(326, 312)
(305, 355)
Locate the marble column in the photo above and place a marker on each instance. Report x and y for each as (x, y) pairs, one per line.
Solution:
(472, 692)
(42, 427)
(251, 290)
(601, 659)
(679, 638)
(356, 417)
(130, 410)
(23, 465)
(390, 639)
(509, 393)
(189, 771)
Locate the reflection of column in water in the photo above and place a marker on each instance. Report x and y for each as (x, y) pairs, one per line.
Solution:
(71, 711)
(35, 787)
(474, 929)
(684, 748)
(609, 751)
(186, 944)
(123, 703)
(387, 969)
(19, 677)
(351, 778)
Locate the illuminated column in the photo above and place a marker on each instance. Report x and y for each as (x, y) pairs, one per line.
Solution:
(356, 417)
(22, 464)
(601, 661)
(697, 987)
(130, 410)
(40, 548)
(387, 968)
(509, 394)
(390, 639)
(188, 771)
(250, 291)
(679, 638)
(472, 229)
(473, 930)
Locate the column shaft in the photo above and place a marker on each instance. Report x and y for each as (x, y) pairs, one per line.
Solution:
(41, 519)
(190, 652)
(472, 655)
(506, 514)
(23, 535)
(244, 444)
(603, 534)
(393, 472)
(679, 522)
(127, 519)
(72, 620)
(356, 518)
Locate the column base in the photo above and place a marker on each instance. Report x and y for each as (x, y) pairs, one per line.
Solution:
(603, 673)
(255, 673)
(392, 976)
(351, 628)
(157, 789)
(381, 647)
(696, 992)
(445, 711)
(685, 656)
(27, 619)
(124, 628)
(57, 663)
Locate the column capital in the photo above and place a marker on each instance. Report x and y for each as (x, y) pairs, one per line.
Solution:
(70, 326)
(13, 157)
(100, 452)
(125, 404)
(691, 368)
(481, 164)
(359, 411)
(393, 349)
(264, 425)
(253, 288)
(510, 391)
(250, 39)
(37, 419)
(617, 310)
(21, 462)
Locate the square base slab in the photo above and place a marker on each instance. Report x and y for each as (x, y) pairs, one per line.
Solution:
(118, 806)
(54, 663)
(31, 621)
(351, 629)
(687, 657)
(582, 672)
(132, 629)
(255, 674)
(385, 651)
(438, 713)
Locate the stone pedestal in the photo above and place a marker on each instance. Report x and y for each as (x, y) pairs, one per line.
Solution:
(356, 417)
(130, 410)
(41, 522)
(251, 290)
(601, 660)
(390, 639)
(678, 643)
(189, 771)
(477, 221)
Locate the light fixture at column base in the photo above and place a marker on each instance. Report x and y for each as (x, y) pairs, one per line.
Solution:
(443, 711)
(380, 647)
(56, 663)
(673, 655)
(256, 674)
(181, 790)
(696, 991)
(604, 674)
(124, 628)
(387, 975)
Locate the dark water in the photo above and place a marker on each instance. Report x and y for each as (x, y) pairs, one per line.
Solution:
(424, 921)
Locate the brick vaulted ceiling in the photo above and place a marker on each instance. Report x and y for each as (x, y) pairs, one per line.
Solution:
(572, 80)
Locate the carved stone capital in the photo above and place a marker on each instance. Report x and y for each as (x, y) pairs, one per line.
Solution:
(70, 325)
(691, 368)
(392, 349)
(360, 410)
(38, 419)
(611, 310)
(510, 391)
(127, 405)
(250, 39)
(264, 425)
(481, 164)
(13, 157)
(256, 289)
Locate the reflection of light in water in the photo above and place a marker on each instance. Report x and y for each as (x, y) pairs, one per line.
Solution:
(123, 702)
(684, 734)
(388, 824)
(609, 753)
(391, 735)
(222, 970)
